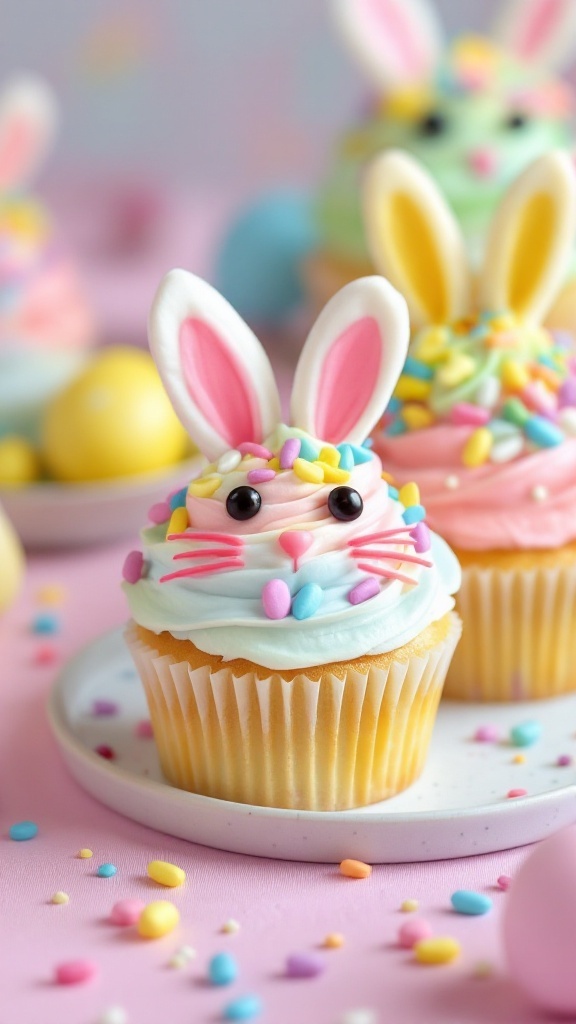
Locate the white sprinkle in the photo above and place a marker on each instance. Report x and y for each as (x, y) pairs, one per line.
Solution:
(359, 1017)
(540, 493)
(60, 897)
(231, 927)
(507, 449)
(567, 420)
(227, 462)
(182, 957)
(452, 482)
(488, 392)
(113, 1015)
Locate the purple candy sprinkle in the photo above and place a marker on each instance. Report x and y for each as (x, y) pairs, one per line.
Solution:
(567, 393)
(133, 566)
(159, 513)
(258, 450)
(487, 734)
(363, 591)
(105, 708)
(421, 536)
(304, 965)
(564, 760)
(260, 476)
(290, 452)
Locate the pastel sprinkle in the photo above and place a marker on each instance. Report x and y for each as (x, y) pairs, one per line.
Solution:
(104, 708)
(159, 513)
(477, 448)
(133, 566)
(51, 593)
(165, 873)
(144, 729)
(307, 601)
(432, 343)
(179, 521)
(106, 870)
(22, 831)
(304, 965)
(504, 882)
(333, 474)
(412, 932)
(458, 368)
(84, 853)
(182, 957)
(222, 969)
(126, 912)
(413, 514)
(525, 734)
(289, 452)
(412, 389)
(507, 448)
(60, 898)
(205, 487)
(308, 450)
(355, 869)
(409, 494)
(309, 472)
(113, 1015)
(567, 421)
(360, 454)
(513, 793)
(567, 393)
(466, 901)
(515, 375)
(45, 624)
(364, 590)
(542, 432)
(260, 476)
(46, 654)
(416, 417)
(488, 392)
(334, 940)
(330, 456)
(464, 414)
(539, 493)
(436, 951)
(276, 599)
(564, 760)
(75, 972)
(409, 906)
(346, 457)
(229, 461)
(487, 734)
(452, 483)
(243, 1008)
(157, 919)
(519, 759)
(421, 537)
(257, 450)
(415, 368)
(178, 499)
(515, 412)
(105, 751)
(230, 927)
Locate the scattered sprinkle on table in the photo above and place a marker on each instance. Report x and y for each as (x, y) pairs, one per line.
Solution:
(487, 734)
(412, 932)
(84, 853)
(75, 972)
(504, 882)
(60, 898)
(525, 734)
(52, 593)
(126, 912)
(467, 901)
(46, 654)
(334, 940)
(441, 950)
(230, 927)
(182, 957)
(359, 1017)
(106, 870)
(355, 869)
(165, 873)
(103, 750)
(113, 1015)
(519, 759)
(513, 793)
(564, 760)
(222, 969)
(45, 624)
(23, 830)
(157, 919)
(243, 1008)
(304, 965)
(409, 906)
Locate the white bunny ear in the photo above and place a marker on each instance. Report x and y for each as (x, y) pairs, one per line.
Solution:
(213, 367)
(538, 31)
(351, 361)
(28, 115)
(531, 239)
(398, 42)
(414, 238)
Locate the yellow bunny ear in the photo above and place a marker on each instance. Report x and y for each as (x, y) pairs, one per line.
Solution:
(414, 239)
(531, 239)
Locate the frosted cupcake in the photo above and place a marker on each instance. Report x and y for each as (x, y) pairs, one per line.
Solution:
(292, 614)
(484, 415)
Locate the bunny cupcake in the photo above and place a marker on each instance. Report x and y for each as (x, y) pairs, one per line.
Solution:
(484, 415)
(292, 614)
(45, 324)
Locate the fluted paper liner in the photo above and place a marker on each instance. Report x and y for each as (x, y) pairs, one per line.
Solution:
(519, 637)
(319, 745)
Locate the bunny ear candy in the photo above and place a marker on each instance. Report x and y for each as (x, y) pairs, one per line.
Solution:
(28, 116)
(540, 32)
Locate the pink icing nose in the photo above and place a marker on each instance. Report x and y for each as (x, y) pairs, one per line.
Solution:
(482, 162)
(295, 543)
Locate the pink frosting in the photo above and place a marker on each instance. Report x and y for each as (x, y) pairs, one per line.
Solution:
(52, 311)
(493, 505)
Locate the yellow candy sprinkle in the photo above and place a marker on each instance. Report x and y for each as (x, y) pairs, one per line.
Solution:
(412, 389)
(505, 322)
(515, 375)
(178, 521)
(477, 448)
(157, 919)
(432, 344)
(456, 370)
(334, 941)
(51, 594)
(333, 475)
(165, 873)
(519, 759)
(310, 472)
(416, 417)
(440, 950)
(205, 487)
(274, 464)
(387, 477)
(60, 898)
(355, 869)
(409, 906)
(329, 455)
(409, 494)
(85, 853)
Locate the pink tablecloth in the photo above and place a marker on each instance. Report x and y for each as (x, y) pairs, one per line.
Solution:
(281, 907)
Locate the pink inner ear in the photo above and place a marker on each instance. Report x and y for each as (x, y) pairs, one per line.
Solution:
(534, 32)
(402, 41)
(347, 380)
(218, 384)
(16, 143)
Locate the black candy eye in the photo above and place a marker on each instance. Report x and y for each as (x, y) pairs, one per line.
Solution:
(516, 120)
(243, 503)
(345, 503)
(433, 123)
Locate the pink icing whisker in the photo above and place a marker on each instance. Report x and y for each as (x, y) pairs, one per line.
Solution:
(203, 553)
(221, 538)
(377, 571)
(204, 570)
(394, 556)
(387, 535)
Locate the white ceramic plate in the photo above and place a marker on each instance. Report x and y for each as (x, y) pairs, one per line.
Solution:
(51, 515)
(458, 807)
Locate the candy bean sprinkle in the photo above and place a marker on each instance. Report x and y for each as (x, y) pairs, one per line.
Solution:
(164, 873)
(355, 869)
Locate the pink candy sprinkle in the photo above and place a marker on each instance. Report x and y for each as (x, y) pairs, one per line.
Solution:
(134, 563)
(421, 537)
(464, 414)
(126, 912)
(159, 513)
(105, 751)
(290, 452)
(363, 591)
(276, 599)
(46, 654)
(260, 476)
(304, 965)
(144, 729)
(412, 932)
(512, 793)
(564, 760)
(258, 450)
(504, 882)
(487, 734)
(75, 972)
(537, 399)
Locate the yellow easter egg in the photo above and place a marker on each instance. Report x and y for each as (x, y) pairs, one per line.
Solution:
(113, 420)
(19, 464)
(11, 560)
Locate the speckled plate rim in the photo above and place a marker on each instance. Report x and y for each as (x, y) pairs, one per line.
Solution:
(376, 836)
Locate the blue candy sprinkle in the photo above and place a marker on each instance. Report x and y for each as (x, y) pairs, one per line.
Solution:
(414, 514)
(466, 901)
(368, 443)
(308, 451)
(346, 457)
(394, 405)
(546, 360)
(222, 969)
(23, 830)
(393, 492)
(361, 454)
(307, 601)
(415, 368)
(542, 432)
(479, 333)
(243, 1008)
(395, 428)
(107, 870)
(525, 734)
(178, 500)
(45, 623)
